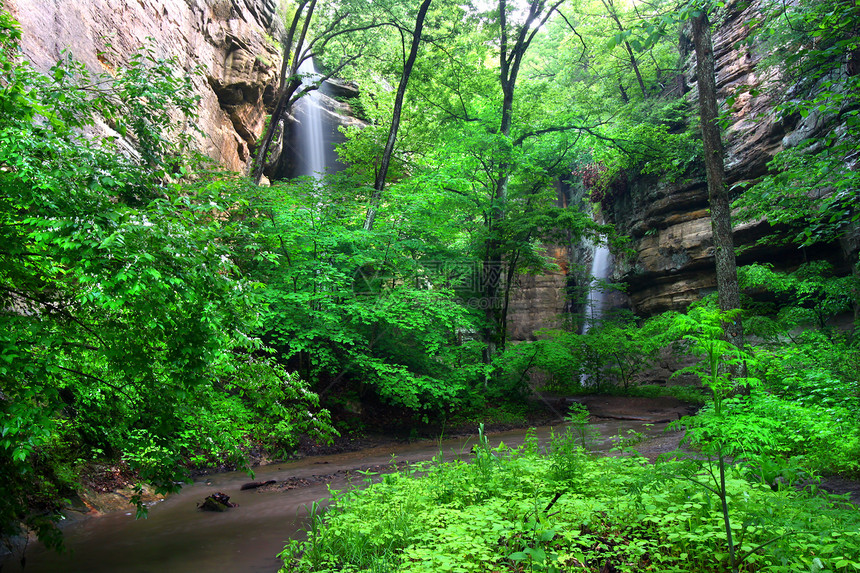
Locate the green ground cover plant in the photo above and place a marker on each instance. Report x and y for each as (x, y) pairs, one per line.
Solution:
(563, 510)
(744, 498)
(798, 416)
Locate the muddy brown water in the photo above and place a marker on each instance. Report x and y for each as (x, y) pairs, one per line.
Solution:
(178, 538)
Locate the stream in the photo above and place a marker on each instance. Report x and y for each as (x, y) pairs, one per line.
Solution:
(178, 538)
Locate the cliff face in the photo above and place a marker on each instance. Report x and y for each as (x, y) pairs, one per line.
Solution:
(540, 301)
(229, 39)
(670, 224)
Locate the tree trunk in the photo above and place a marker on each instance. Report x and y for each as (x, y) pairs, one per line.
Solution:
(288, 85)
(718, 197)
(379, 183)
(610, 7)
(510, 59)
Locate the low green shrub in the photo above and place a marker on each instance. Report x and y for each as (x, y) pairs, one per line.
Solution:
(520, 510)
(824, 439)
(608, 358)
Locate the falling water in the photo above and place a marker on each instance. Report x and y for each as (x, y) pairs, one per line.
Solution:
(594, 307)
(596, 289)
(310, 129)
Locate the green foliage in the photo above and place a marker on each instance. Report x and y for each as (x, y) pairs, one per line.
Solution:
(625, 91)
(130, 299)
(811, 402)
(556, 357)
(808, 402)
(777, 438)
(724, 434)
(375, 310)
(810, 295)
(652, 140)
(688, 394)
(607, 358)
(618, 351)
(812, 186)
(815, 369)
(720, 428)
(524, 516)
(125, 324)
(567, 449)
(702, 331)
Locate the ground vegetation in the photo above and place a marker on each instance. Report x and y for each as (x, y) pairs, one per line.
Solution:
(160, 314)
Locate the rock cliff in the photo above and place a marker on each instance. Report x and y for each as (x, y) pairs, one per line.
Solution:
(669, 222)
(229, 40)
(540, 301)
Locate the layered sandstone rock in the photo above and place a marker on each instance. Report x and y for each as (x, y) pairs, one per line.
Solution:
(540, 301)
(229, 40)
(669, 222)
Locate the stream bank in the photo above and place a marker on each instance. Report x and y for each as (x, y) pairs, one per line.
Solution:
(177, 538)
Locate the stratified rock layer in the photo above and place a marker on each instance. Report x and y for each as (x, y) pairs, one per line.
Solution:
(670, 223)
(230, 40)
(539, 301)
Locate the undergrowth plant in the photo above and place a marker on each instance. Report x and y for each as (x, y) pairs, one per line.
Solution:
(125, 324)
(702, 329)
(618, 514)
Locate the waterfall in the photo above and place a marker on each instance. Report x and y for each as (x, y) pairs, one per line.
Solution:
(594, 307)
(309, 132)
(600, 266)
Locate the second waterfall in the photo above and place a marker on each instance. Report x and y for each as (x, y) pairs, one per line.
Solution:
(595, 305)
(312, 153)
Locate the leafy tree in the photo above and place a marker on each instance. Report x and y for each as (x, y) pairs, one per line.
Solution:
(372, 309)
(514, 41)
(613, 13)
(697, 13)
(811, 187)
(379, 183)
(723, 437)
(624, 350)
(125, 324)
(610, 355)
(468, 140)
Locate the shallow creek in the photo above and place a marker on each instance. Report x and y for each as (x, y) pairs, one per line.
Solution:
(176, 537)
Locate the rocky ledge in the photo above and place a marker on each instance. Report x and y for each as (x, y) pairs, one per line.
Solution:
(231, 41)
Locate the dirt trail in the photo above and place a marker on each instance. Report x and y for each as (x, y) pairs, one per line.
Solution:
(648, 410)
(666, 409)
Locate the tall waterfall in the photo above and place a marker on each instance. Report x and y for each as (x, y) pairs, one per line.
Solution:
(600, 266)
(309, 131)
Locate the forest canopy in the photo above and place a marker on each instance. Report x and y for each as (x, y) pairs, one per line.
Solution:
(160, 314)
